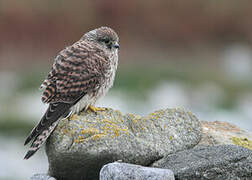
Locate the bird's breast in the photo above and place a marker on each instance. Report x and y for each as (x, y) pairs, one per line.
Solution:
(109, 77)
(104, 86)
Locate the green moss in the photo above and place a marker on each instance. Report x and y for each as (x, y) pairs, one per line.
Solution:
(242, 142)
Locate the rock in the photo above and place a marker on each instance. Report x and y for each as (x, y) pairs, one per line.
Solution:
(210, 162)
(41, 177)
(216, 133)
(125, 171)
(81, 145)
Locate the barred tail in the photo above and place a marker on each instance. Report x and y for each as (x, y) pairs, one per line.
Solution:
(46, 126)
(39, 140)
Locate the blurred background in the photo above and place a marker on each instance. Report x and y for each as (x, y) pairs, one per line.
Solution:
(190, 54)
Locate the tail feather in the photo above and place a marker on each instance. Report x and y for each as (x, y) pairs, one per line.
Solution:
(53, 113)
(29, 154)
(39, 140)
(45, 127)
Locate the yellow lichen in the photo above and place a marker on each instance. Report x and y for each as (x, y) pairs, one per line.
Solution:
(108, 121)
(126, 131)
(65, 131)
(134, 121)
(242, 142)
(109, 125)
(90, 130)
(117, 131)
(118, 112)
(138, 117)
(98, 136)
(155, 115)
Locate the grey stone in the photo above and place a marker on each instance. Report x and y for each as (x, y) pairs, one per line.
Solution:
(42, 177)
(82, 144)
(125, 171)
(217, 133)
(210, 162)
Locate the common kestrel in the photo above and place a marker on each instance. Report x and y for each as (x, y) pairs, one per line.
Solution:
(81, 74)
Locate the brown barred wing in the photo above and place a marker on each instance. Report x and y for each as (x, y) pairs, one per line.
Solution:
(76, 70)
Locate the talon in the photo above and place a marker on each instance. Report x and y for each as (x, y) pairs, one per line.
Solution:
(73, 117)
(95, 109)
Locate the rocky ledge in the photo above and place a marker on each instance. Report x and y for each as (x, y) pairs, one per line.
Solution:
(81, 145)
(169, 139)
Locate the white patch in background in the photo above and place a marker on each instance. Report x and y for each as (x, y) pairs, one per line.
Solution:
(235, 117)
(116, 100)
(244, 105)
(9, 84)
(12, 164)
(30, 106)
(206, 95)
(237, 62)
(168, 95)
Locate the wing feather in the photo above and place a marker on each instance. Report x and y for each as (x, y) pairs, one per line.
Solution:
(75, 71)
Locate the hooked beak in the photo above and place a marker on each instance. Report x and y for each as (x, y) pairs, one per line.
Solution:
(116, 45)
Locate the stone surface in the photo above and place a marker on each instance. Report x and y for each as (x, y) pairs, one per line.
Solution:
(41, 177)
(216, 133)
(81, 145)
(210, 162)
(125, 171)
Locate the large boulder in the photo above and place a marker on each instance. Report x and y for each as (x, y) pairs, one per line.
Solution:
(82, 144)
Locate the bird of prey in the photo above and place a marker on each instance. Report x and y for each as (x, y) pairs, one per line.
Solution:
(81, 74)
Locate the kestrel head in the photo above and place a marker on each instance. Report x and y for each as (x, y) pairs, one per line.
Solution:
(104, 36)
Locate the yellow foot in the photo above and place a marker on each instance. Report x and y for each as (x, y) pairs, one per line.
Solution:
(95, 109)
(73, 117)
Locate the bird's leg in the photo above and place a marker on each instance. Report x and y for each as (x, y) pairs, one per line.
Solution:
(95, 109)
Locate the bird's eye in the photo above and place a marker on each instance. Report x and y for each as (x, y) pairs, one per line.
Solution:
(106, 41)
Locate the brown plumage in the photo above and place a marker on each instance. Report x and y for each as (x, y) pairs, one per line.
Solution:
(80, 75)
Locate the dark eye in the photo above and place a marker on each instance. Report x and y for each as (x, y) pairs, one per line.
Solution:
(106, 41)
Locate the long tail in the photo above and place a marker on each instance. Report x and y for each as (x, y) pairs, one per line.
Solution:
(46, 126)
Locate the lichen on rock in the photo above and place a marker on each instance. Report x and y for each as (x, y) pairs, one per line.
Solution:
(82, 144)
(218, 133)
(245, 142)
